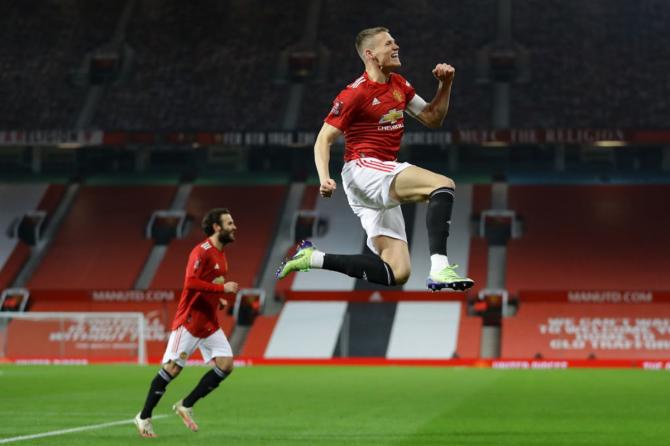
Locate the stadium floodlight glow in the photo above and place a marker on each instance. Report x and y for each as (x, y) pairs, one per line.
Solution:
(610, 143)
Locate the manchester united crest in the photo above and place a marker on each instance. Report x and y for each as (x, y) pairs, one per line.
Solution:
(398, 96)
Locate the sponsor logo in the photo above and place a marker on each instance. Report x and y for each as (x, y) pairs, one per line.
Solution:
(133, 295)
(391, 117)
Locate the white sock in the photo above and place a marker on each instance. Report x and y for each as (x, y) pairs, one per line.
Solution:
(316, 261)
(438, 262)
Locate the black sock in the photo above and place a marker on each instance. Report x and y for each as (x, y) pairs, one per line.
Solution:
(367, 267)
(438, 219)
(156, 391)
(208, 382)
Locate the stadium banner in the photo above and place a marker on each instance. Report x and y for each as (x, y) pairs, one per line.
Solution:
(633, 297)
(438, 138)
(84, 138)
(66, 138)
(97, 339)
(500, 364)
(105, 295)
(374, 296)
(587, 331)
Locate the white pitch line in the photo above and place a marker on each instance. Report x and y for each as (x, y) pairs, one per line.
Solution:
(70, 431)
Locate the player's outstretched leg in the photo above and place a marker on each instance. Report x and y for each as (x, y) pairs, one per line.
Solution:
(362, 266)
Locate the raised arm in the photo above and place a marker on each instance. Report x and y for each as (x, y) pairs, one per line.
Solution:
(435, 111)
(327, 136)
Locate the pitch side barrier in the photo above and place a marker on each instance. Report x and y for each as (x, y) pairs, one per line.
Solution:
(609, 325)
(92, 326)
(516, 364)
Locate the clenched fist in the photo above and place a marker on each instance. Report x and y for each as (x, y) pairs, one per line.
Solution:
(444, 72)
(327, 188)
(231, 287)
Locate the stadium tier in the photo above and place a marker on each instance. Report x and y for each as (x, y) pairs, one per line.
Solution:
(36, 73)
(589, 237)
(101, 242)
(230, 66)
(17, 200)
(202, 68)
(577, 79)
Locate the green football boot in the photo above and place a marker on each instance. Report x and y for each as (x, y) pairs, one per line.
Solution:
(448, 278)
(299, 261)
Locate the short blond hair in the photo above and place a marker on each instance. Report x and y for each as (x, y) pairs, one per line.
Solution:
(364, 36)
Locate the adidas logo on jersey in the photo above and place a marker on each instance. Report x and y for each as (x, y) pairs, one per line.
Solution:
(376, 101)
(216, 266)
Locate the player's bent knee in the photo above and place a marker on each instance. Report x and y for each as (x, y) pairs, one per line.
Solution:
(172, 368)
(445, 182)
(225, 364)
(401, 275)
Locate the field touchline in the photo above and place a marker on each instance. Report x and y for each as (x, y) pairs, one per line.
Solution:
(70, 431)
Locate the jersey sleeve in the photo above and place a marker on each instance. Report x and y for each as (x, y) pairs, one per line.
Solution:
(408, 90)
(344, 109)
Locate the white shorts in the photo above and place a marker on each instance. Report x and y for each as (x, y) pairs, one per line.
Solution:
(182, 344)
(367, 183)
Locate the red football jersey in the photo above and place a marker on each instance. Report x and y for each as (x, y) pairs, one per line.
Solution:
(371, 116)
(199, 302)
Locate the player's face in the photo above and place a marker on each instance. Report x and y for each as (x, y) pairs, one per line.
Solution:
(228, 228)
(386, 51)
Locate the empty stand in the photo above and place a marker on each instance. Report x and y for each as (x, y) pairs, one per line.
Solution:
(42, 44)
(590, 237)
(101, 242)
(18, 199)
(202, 68)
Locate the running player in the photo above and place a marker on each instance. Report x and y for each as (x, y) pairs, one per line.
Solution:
(370, 114)
(196, 323)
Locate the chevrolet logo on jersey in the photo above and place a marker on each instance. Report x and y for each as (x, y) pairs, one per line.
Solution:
(391, 117)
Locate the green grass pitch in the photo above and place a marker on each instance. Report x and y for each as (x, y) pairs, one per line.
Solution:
(344, 406)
